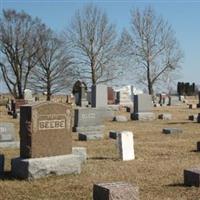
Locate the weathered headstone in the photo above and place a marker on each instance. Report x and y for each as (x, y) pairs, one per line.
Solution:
(80, 93)
(111, 95)
(115, 191)
(193, 117)
(7, 132)
(45, 137)
(99, 96)
(125, 145)
(143, 108)
(192, 177)
(1, 165)
(120, 118)
(28, 95)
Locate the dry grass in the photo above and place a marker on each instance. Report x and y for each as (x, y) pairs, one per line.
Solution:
(157, 169)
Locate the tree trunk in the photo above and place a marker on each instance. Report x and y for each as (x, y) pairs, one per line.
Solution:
(48, 89)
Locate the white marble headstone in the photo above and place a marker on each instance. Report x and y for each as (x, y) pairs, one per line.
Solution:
(28, 94)
(125, 145)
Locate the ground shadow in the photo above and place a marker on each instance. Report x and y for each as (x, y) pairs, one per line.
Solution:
(179, 122)
(195, 151)
(7, 176)
(176, 185)
(103, 158)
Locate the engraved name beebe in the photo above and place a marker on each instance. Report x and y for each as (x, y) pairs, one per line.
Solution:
(51, 124)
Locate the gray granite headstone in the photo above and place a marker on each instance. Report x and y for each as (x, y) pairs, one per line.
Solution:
(142, 103)
(99, 96)
(7, 132)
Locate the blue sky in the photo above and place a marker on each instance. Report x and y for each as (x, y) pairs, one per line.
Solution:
(184, 16)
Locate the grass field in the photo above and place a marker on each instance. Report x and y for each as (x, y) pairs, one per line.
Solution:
(157, 169)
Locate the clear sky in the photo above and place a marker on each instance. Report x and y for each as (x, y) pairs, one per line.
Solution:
(184, 16)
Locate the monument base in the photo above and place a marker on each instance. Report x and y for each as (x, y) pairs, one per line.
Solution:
(35, 168)
(90, 136)
(143, 116)
(13, 144)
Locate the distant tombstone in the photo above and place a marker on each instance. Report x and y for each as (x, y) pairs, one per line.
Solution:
(28, 95)
(115, 191)
(99, 96)
(126, 145)
(143, 108)
(198, 105)
(192, 177)
(80, 93)
(111, 96)
(7, 132)
(45, 130)
(1, 164)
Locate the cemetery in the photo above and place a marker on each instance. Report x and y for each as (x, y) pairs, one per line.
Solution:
(97, 112)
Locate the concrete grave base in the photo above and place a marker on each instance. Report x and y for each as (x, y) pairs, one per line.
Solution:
(95, 135)
(143, 116)
(89, 128)
(165, 116)
(120, 118)
(192, 177)
(35, 168)
(172, 130)
(115, 191)
(9, 144)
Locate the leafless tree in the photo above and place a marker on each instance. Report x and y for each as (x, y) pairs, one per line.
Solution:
(93, 41)
(153, 46)
(54, 71)
(19, 37)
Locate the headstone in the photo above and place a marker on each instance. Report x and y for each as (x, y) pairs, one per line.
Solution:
(45, 130)
(198, 146)
(1, 165)
(115, 191)
(80, 93)
(99, 96)
(198, 105)
(125, 145)
(7, 132)
(165, 116)
(113, 134)
(192, 106)
(45, 142)
(143, 108)
(111, 95)
(193, 117)
(92, 135)
(120, 118)
(28, 95)
(198, 118)
(172, 130)
(192, 177)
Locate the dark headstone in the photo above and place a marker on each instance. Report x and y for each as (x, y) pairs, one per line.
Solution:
(115, 191)
(192, 177)
(1, 164)
(45, 130)
(113, 134)
(198, 146)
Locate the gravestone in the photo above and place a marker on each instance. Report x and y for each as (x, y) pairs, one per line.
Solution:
(7, 132)
(111, 95)
(115, 191)
(143, 108)
(165, 116)
(28, 95)
(99, 96)
(1, 165)
(198, 105)
(45, 142)
(125, 145)
(193, 117)
(80, 93)
(192, 177)
(113, 134)
(45, 130)
(198, 118)
(120, 118)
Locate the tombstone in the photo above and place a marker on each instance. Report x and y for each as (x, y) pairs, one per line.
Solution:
(1, 165)
(113, 134)
(192, 106)
(192, 177)
(125, 145)
(172, 130)
(99, 96)
(88, 122)
(7, 132)
(115, 191)
(143, 108)
(28, 95)
(89, 97)
(165, 116)
(198, 105)
(198, 118)
(120, 118)
(80, 93)
(193, 117)
(45, 142)
(111, 96)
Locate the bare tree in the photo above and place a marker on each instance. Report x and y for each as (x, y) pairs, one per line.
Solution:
(153, 46)
(19, 37)
(94, 45)
(54, 71)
